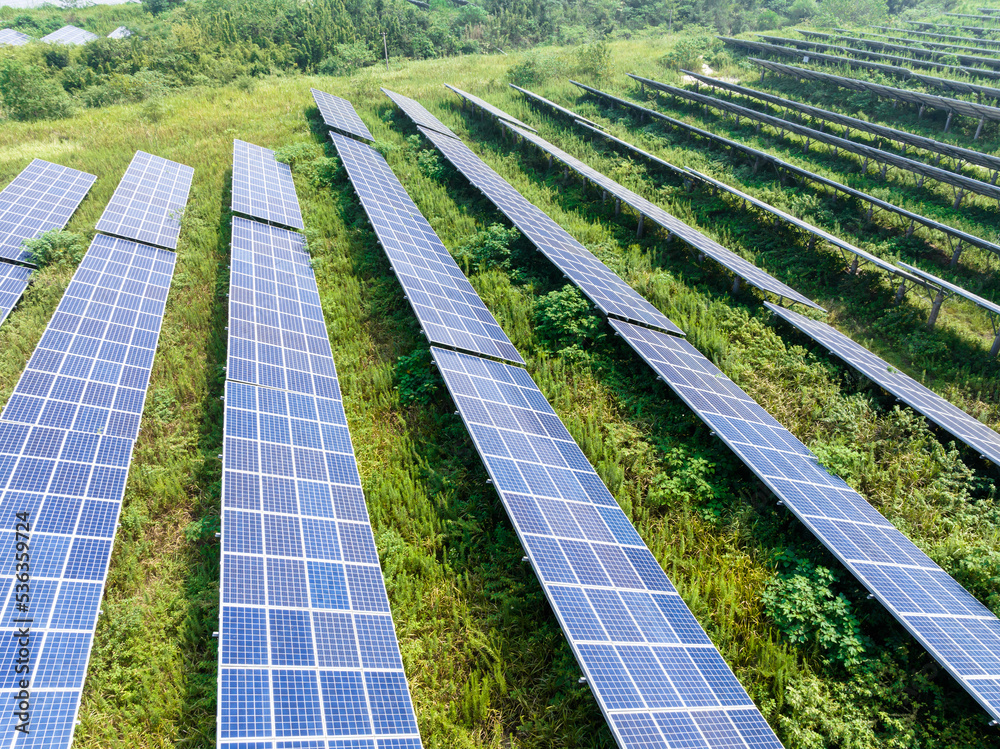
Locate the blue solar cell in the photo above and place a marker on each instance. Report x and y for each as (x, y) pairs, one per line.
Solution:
(339, 114)
(698, 241)
(601, 285)
(14, 281)
(42, 197)
(448, 308)
(901, 576)
(638, 644)
(148, 204)
(69, 355)
(263, 186)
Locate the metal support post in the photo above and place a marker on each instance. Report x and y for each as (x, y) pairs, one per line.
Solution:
(900, 292)
(935, 309)
(638, 231)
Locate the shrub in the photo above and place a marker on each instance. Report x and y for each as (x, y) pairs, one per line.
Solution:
(56, 247)
(535, 69)
(490, 248)
(126, 89)
(347, 58)
(430, 164)
(806, 609)
(565, 322)
(56, 56)
(26, 94)
(595, 60)
(416, 378)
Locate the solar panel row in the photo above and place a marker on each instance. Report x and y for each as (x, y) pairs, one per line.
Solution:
(488, 108)
(907, 40)
(70, 35)
(417, 113)
(66, 438)
(13, 38)
(961, 633)
(308, 652)
(263, 186)
(148, 204)
(952, 419)
(598, 282)
(42, 197)
(339, 115)
(958, 153)
(763, 157)
(814, 230)
(657, 677)
(448, 308)
(722, 255)
(551, 105)
(866, 152)
(948, 104)
(919, 61)
(13, 283)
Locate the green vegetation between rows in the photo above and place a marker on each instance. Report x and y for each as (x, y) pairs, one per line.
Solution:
(487, 663)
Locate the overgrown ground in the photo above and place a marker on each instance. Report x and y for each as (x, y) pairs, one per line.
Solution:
(487, 663)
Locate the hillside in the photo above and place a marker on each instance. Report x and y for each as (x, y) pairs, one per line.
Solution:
(487, 662)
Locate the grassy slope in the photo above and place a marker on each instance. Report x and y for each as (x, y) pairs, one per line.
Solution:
(487, 662)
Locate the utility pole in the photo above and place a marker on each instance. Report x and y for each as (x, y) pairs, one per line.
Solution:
(385, 46)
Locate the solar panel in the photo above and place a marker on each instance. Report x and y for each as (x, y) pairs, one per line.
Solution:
(907, 40)
(725, 257)
(952, 419)
(765, 157)
(949, 104)
(853, 123)
(932, 35)
(67, 471)
(815, 230)
(70, 35)
(42, 197)
(919, 61)
(122, 32)
(448, 308)
(13, 38)
(90, 370)
(986, 304)
(961, 633)
(551, 105)
(909, 48)
(307, 648)
(13, 282)
(868, 153)
(263, 186)
(416, 112)
(339, 114)
(148, 204)
(654, 672)
(277, 336)
(602, 286)
(487, 107)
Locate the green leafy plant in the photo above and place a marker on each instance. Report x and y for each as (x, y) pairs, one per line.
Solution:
(56, 247)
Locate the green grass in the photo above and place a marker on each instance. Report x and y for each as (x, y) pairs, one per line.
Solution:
(487, 663)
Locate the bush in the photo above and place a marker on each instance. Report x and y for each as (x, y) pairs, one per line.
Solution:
(430, 164)
(800, 10)
(595, 60)
(535, 69)
(565, 322)
(26, 94)
(56, 56)
(56, 247)
(416, 378)
(347, 58)
(490, 248)
(126, 89)
(806, 609)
